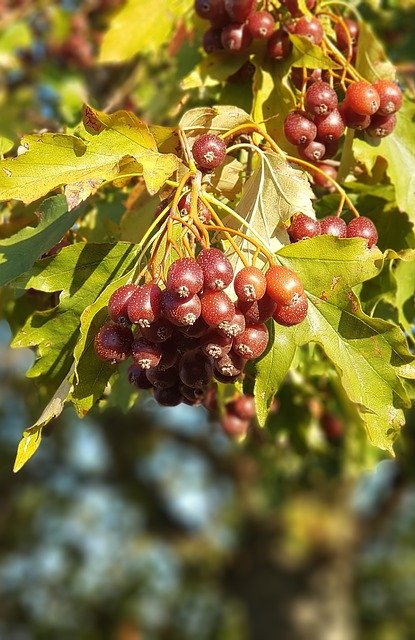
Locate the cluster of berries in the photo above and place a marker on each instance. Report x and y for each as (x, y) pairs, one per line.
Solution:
(303, 227)
(191, 331)
(317, 129)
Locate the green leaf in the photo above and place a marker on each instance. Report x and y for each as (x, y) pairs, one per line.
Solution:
(219, 118)
(5, 145)
(56, 159)
(371, 59)
(398, 149)
(212, 70)
(368, 353)
(307, 54)
(271, 369)
(141, 26)
(18, 253)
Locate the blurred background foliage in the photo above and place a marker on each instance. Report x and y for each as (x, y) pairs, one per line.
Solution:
(152, 524)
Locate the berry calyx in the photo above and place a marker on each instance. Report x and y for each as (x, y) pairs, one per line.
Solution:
(283, 285)
(180, 311)
(146, 354)
(208, 151)
(363, 227)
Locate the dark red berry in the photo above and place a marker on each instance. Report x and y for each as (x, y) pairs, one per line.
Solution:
(208, 151)
(235, 37)
(180, 311)
(324, 180)
(226, 379)
(390, 97)
(146, 354)
(310, 28)
(195, 369)
(351, 118)
(313, 152)
(258, 311)
(137, 377)
(170, 397)
(333, 226)
(113, 342)
(261, 25)
(283, 284)
(332, 427)
(291, 314)
(252, 342)
(303, 227)
(163, 379)
(381, 126)
(159, 331)
(363, 227)
(320, 99)
(230, 365)
(118, 303)
(299, 129)
(243, 406)
(250, 284)
(217, 270)
(184, 342)
(234, 326)
(243, 75)
(195, 395)
(184, 205)
(212, 40)
(329, 128)
(215, 344)
(196, 330)
(233, 426)
(184, 278)
(363, 98)
(169, 355)
(144, 306)
(347, 34)
(279, 45)
(239, 10)
(217, 307)
(213, 10)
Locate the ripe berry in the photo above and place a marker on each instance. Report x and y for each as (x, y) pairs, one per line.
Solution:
(118, 303)
(390, 97)
(243, 406)
(217, 307)
(211, 40)
(333, 226)
(208, 151)
(137, 377)
(180, 311)
(283, 285)
(215, 344)
(303, 227)
(294, 9)
(170, 397)
(234, 426)
(213, 10)
(332, 426)
(299, 129)
(250, 284)
(234, 326)
(261, 25)
(381, 126)
(184, 205)
(163, 379)
(258, 311)
(146, 354)
(330, 127)
(235, 37)
(230, 365)
(184, 278)
(320, 179)
(194, 395)
(309, 28)
(351, 118)
(347, 34)
(144, 306)
(169, 355)
(320, 99)
(159, 331)
(363, 227)
(279, 45)
(291, 314)
(363, 98)
(239, 10)
(113, 342)
(217, 270)
(252, 342)
(313, 152)
(195, 369)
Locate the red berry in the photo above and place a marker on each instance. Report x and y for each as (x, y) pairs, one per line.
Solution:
(310, 28)
(184, 278)
(184, 205)
(212, 41)
(299, 129)
(250, 284)
(195, 369)
(381, 126)
(363, 98)
(180, 311)
(320, 179)
(208, 151)
(313, 152)
(230, 365)
(283, 285)
(251, 343)
(279, 45)
(118, 303)
(159, 331)
(169, 355)
(330, 127)
(390, 97)
(258, 311)
(137, 377)
(146, 354)
(347, 34)
(351, 118)
(333, 226)
(170, 397)
(320, 99)
(217, 270)
(235, 37)
(332, 426)
(217, 307)
(239, 10)
(144, 306)
(291, 314)
(243, 406)
(303, 227)
(113, 342)
(234, 426)
(215, 344)
(363, 227)
(261, 25)
(163, 379)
